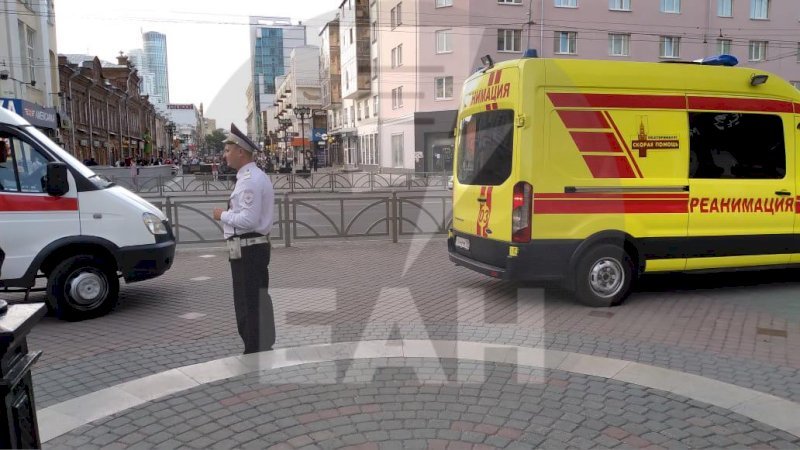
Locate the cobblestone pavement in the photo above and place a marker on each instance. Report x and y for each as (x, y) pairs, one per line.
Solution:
(743, 330)
(408, 403)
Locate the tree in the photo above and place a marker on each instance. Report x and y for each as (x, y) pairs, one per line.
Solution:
(216, 141)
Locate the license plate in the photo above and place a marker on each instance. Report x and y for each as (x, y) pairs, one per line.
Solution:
(462, 243)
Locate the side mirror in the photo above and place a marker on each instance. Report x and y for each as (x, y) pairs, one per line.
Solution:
(57, 181)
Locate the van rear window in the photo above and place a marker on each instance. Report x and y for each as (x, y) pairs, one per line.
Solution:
(486, 148)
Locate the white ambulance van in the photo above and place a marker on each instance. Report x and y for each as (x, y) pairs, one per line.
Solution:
(61, 221)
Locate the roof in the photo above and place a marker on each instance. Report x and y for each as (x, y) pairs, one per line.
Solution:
(78, 59)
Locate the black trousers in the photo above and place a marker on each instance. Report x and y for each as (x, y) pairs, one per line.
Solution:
(254, 314)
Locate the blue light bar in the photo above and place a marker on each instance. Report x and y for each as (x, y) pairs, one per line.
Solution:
(530, 53)
(720, 60)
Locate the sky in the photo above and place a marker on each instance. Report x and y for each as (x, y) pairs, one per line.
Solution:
(207, 41)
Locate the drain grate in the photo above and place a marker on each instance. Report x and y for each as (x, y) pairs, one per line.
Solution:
(771, 332)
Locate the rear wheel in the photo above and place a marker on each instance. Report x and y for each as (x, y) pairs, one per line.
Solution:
(604, 276)
(82, 287)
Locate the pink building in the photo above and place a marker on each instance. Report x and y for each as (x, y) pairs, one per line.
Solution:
(422, 51)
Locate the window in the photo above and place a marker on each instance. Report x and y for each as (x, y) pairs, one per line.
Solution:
(31, 42)
(566, 3)
(759, 9)
(396, 15)
(358, 109)
(444, 88)
(397, 56)
(443, 40)
(510, 2)
(397, 150)
(670, 47)
(509, 40)
(619, 5)
(736, 145)
(671, 6)
(619, 44)
(724, 46)
(566, 42)
(374, 68)
(758, 51)
(443, 3)
(725, 8)
(351, 36)
(366, 109)
(486, 148)
(375, 31)
(375, 104)
(397, 97)
(24, 168)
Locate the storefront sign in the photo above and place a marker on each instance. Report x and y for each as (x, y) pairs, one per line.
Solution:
(36, 115)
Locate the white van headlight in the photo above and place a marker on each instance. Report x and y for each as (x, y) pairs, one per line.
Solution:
(154, 224)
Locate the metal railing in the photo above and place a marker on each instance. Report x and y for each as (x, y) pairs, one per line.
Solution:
(386, 216)
(206, 184)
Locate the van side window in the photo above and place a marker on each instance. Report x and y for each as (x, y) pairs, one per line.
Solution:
(486, 151)
(25, 168)
(736, 145)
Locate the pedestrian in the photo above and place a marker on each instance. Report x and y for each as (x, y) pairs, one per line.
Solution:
(246, 226)
(214, 171)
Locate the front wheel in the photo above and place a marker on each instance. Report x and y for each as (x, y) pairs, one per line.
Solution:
(604, 276)
(82, 287)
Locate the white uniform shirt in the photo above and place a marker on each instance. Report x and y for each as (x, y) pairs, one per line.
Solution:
(252, 203)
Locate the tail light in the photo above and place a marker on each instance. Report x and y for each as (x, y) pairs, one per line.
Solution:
(521, 212)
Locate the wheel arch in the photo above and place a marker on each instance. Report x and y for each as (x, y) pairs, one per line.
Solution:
(59, 250)
(612, 237)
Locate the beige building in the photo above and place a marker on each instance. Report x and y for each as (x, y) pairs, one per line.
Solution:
(29, 62)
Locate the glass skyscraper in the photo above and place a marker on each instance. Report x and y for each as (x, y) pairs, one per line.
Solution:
(271, 42)
(155, 62)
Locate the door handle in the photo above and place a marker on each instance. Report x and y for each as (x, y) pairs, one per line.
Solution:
(784, 193)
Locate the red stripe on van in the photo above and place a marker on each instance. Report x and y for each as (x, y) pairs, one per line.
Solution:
(564, 100)
(609, 166)
(33, 203)
(583, 119)
(588, 141)
(609, 195)
(739, 104)
(611, 206)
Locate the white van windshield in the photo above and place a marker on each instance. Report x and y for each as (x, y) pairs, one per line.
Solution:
(99, 181)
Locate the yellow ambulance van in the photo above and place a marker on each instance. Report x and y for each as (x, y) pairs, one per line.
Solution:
(595, 172)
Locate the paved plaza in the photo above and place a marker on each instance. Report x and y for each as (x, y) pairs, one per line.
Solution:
(385, 345)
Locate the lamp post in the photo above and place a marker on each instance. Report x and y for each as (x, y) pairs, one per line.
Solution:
(285, 123)
(302, 112)
(170, 127)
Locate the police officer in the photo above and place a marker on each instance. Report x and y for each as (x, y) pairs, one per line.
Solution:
(246, 226)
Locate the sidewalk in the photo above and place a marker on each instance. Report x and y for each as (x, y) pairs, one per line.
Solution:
(686, 362)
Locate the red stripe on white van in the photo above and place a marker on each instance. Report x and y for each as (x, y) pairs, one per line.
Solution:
(575, 100)
(588, 141)
(33, 203)
(739, 104)
(611, 206)
(583, 119)
(609, 166)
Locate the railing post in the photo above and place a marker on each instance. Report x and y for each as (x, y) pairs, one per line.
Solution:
(160, 186)
(291, 182)
(331, 175)
(394, 221)
(286, 222)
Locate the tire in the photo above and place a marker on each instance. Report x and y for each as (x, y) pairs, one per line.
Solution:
(604, 276)
(95, 294)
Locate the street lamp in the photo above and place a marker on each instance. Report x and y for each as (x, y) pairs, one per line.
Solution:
(285, 123)
(170, 127)
(302, 112)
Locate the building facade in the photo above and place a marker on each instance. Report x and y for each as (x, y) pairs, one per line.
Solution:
(330, 73)
(29, 77)
(271, 42)
(155, 64)
(188, 122)
(104, 117)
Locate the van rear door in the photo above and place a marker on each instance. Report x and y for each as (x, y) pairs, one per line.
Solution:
(484, 165)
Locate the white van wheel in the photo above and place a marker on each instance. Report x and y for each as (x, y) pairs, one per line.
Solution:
(604, 276)
(82, 287)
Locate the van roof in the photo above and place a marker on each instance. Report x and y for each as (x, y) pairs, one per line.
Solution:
(653, 77)
(10, 118)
